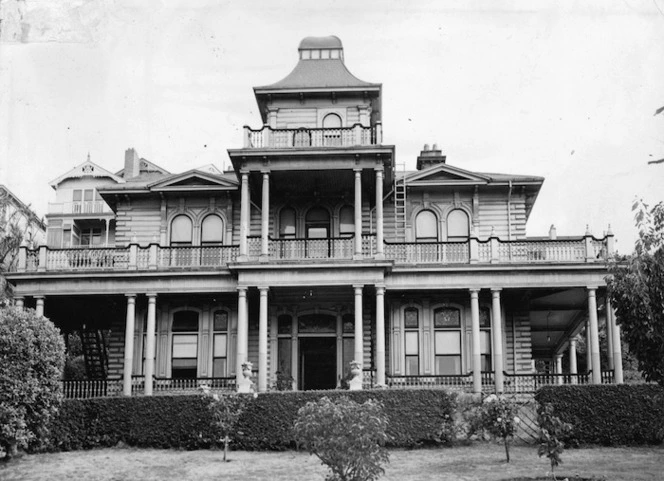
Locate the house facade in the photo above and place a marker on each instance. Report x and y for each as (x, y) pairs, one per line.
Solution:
(317, 250)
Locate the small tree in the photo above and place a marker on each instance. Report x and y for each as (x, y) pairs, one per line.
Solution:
(31, 362)
(551, 429)
(348, 437)
(499, 419)
(226, 411)
(636, 288)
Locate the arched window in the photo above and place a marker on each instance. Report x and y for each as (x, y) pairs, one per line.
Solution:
(287, 223)
(212, 230)
(220, 348)
(447, 340)
(457, 226)
(412, 339)
(181, 231)
(346, 221)
(184, 356)
(317, 223)
(426, 227)
(332, 130)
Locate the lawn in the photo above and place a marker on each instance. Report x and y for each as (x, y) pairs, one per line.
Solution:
(478, 462)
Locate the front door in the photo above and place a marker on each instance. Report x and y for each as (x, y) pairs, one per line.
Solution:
(318, 363)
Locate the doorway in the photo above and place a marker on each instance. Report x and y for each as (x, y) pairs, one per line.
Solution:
(318, 363)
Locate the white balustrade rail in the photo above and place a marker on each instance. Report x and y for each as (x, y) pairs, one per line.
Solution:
(314, 137)
(204, 256)
(86, 259)
(428, 252)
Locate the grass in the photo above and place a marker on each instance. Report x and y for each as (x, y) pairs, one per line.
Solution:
(478, 462)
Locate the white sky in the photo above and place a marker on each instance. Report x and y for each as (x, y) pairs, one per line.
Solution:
(565, 90)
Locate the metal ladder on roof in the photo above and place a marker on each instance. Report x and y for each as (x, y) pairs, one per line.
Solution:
(400, 202)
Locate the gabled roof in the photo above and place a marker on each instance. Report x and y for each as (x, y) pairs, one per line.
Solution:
(146, 168)
(87, 168)
(194, 180)
(445, 174)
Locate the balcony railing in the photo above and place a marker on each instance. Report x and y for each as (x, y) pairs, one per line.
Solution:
(154, 257)
(269, 138)
(80, 207)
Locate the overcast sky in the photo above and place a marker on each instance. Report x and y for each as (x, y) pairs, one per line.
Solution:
(561, 89)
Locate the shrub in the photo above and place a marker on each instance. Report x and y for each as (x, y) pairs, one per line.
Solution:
(226, 411)
(414, 416)
(348, 437)
(551, 429)
(31, 362)
(498, 416)
(610, 415)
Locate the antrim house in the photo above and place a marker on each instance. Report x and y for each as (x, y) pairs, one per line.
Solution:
(315, 254)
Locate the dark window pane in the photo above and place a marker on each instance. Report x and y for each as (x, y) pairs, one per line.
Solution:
(446, 317)
(317, 323)
(284, 324)
(411, 320)
(485, 318)
(221, 321)
(185, 321)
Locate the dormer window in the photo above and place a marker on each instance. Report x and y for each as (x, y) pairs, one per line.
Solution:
(321, 54)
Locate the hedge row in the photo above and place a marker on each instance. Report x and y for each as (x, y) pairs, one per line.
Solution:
(610, 415)
(184, 422)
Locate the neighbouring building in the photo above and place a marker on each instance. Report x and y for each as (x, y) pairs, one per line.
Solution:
(315, 251)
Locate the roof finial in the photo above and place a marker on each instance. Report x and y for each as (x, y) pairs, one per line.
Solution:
(88, 156)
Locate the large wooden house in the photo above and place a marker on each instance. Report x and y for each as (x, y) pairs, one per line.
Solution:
(315, 251)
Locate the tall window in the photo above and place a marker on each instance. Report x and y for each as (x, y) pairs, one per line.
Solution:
(220, 347)
(181, 231)
(346, 221)
(287, 223)
(426, 227)
(317, 223)
(91, 236)
(212, 230)
(332, 130)
(348, 328)
(412, 340)
(457, 226)
(447, 340)
(184, 359)
(485, 338)
(284, 344)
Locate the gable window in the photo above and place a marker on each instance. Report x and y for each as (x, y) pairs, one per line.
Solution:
(332, 130)
(457, 226)
(212, 230)
(426, 227)
(447, 340)
(287, 223)
(184, 356)
(412, 341)
(346, 221)
(220, 348)
(181, 231)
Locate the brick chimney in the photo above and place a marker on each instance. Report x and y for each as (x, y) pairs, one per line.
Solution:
(429, 157)
(132, 165)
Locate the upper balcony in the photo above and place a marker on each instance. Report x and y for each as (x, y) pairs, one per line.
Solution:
(269, 138)
(88, 207)
(492, 251)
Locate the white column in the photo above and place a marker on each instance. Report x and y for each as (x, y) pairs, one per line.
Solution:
(242, 332)
(39, 307)
(609, 332)
(573, 370)
(477, 347)
(497, 331)
(244, 214)
(19, 302)
(358, 213)
(262, 340)
(380, 335)
(589, 358)
(594, 337)
(129, 344)
(617, 347)
(359, 341)
(265, 216)
(149, 343)
(559, 368)
(379, 214)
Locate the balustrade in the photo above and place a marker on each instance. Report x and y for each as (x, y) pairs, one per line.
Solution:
(268, 137)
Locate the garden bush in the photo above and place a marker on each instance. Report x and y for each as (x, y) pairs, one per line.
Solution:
(31, 362)
(414, 417)
(610, 415)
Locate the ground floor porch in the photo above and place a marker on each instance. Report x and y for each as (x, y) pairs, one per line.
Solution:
(465, 339)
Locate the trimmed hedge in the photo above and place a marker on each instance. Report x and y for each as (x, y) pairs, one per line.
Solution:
(609, 415)
(184, 422)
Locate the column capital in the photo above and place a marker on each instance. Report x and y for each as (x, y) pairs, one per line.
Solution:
(474, 292)
(39, 297)
(357, 170)
(380, 289)
(358, 286)
(379, 169)
(242, 289)
(495, 291)
(151, 296)
(131, 295)
(263, 289)
(591, 289)
(266, 173)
